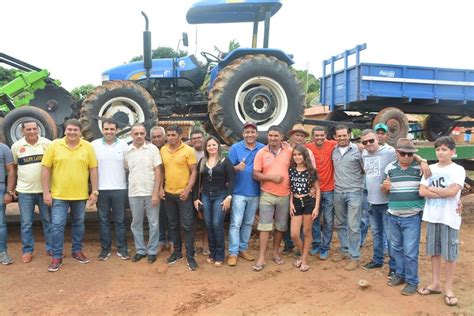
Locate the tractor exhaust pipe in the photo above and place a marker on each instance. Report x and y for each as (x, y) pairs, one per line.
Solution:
(147, 58)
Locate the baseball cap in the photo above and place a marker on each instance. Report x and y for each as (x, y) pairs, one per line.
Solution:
(381, 126)
(250, 124)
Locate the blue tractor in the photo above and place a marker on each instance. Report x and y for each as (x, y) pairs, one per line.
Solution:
(255, 84)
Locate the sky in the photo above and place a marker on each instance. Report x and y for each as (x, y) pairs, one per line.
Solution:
(78, 40)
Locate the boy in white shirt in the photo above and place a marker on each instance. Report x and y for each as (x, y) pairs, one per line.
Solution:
(443, 192)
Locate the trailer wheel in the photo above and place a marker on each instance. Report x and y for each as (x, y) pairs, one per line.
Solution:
(125, 101)
(437, 125)
(338, 116)
(396, 122)
(12, 123)
(255, 88)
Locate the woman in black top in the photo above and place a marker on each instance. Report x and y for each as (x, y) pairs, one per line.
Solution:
(215, 185)
(304, 208)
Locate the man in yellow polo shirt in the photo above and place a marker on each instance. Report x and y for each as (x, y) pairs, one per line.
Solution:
(67, 164)
(179, 162)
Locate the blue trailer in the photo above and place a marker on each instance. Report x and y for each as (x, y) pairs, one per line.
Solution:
(383, 93)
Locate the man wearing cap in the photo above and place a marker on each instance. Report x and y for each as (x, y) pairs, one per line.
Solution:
(401, 182)
(246, 193)
(381, 129)
(322, 148)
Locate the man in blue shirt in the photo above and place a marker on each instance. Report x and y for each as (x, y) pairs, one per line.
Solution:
(246, 194)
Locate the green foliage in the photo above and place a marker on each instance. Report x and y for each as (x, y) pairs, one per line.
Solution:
(6, 75)
(309, 82)
(162, 52)
(233, 44)
(310, 97)
(81, 92)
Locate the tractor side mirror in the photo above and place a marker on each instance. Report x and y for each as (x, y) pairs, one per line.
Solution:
(185, 39)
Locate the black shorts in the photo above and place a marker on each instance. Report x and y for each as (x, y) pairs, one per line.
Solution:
(304, 205)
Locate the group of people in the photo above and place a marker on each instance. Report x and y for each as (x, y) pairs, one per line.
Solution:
(303, 191)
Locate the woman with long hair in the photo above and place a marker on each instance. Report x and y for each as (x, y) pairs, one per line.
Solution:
(304, 208)
(213, 192)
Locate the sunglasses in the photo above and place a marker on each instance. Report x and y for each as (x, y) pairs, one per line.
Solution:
(402, 153)
(368, 141)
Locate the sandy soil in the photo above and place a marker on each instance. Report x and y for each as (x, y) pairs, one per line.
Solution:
(123, 287)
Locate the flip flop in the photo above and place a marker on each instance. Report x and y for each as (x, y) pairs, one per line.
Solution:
(449, 300)
(304, 268)
(297, 263)
(258, 267)
(278, 260)
(427, 291)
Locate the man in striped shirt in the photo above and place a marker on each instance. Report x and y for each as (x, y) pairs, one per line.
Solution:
(402, 182)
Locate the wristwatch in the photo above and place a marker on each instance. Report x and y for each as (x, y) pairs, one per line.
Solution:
(96, 193)
(10, 192)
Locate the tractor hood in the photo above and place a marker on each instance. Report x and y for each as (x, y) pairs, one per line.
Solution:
(231, 11)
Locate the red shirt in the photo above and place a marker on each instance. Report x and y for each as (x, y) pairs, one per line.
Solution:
(324, 164)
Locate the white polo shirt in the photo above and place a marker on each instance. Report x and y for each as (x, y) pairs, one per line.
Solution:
(141, 163)
(28, 160)
(111, 164)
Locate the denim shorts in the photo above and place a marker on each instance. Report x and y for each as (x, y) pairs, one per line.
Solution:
(304, 205)
(442, 240)
(273, 206)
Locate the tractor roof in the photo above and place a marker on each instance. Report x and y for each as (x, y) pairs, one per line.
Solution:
(231, 11)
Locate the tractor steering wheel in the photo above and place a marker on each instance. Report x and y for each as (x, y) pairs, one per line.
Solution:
(210, 58)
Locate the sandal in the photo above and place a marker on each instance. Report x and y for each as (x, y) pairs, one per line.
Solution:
(278, 260)
(304, 268)
(297, 263)
(258, 267)
(428, 291)
(450, 300)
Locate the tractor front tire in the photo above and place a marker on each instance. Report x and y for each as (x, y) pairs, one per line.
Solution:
(257, 88)
(126, 102)
(12, 129)
(396, 121)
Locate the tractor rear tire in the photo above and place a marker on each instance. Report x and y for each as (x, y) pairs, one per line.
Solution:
(257, 88)
(396, 121)
(12, 123)
(127, 102)
(437, 125)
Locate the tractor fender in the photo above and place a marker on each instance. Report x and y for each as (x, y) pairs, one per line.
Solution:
(240, 52)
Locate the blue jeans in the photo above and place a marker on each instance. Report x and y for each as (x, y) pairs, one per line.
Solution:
(141, 205)
(165, 237)
(3, 226)
(112, 201)
(387, 245)
(376, 216)
(59, 213)
(347, 210)
(364, 220)
(289, 244)
(26, 203)
(316, 232)
(242, 217)
(327, 213)
(214, 219)
(405, 245)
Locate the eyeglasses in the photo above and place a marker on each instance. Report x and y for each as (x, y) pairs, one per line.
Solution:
(209, 174)
(368, 141)
(402, 153)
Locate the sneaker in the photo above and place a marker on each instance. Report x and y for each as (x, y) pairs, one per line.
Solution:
(192, 264)
(352, 265)
(246, 255)
(232, 261)
(314, 251)
(123, 255)
(323, 255)
(5, 258)
(287, 251)
(104, 255)
(391, 274)
(175, 256)
(27, 257)
(219, 263)
(396, 281)
(137, 257)
(55, 265)
(340, 256)
(409, 289)
(80, 257)
(151, 258)
(372, 265)
(205, 252)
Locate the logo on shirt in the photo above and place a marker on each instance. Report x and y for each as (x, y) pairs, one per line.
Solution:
(372, 166)
(22, 149)
(438, 183)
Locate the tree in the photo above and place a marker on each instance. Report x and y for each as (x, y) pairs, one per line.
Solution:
(6, 75)
(81, 92)
(233, 44)
(310, 84)
(162, 52)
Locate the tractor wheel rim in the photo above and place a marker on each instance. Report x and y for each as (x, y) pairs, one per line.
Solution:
(261, 100)
(125, 110)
